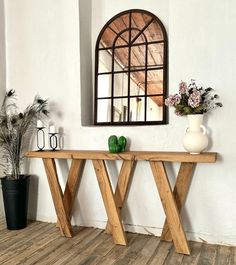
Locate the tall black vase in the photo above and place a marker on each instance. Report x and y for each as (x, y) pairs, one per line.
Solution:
(15, 198)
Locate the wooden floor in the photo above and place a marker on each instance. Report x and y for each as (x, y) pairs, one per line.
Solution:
(41, 243)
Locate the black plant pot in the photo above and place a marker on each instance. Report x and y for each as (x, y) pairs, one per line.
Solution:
(15, 198)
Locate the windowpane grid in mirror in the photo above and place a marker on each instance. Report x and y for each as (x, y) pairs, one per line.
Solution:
(105, 61)
(137, 37)
(138, 57)
(104, 110)
(154, 108)
(136, 88)
(107, 38)
(155, 55)
(154, 32)
(120, 85)
(120, 23)
(137, 108)
(137, 83)
(131, 70)
(154, 82)
(139, 20)
(121, 59)
(104, 85)
(120, 110)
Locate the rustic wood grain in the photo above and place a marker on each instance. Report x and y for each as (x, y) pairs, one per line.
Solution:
(208, 255)
(124, 179)
(78, 249)
(22, 246)
(161, 253)
(117, 251)
(64, 222)
(207, 157)
(174, 258)
(144, 255)
(52, 254)
(180, 192)
(75, 174)
(170, 208)
(39, 243)
(109, 202)
(223, 255)
(172, 202)
(129, 255)
(195, 254)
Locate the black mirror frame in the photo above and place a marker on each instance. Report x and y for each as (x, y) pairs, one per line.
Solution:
(165, 74)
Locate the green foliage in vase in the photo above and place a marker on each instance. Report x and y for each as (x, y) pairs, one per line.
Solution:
(16, 130)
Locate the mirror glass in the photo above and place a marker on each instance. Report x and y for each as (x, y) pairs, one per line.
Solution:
(131, 70)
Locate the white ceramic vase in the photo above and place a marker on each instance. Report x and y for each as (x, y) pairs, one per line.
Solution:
(195, 139)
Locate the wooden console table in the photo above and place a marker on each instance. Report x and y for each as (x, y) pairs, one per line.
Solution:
(172, 201)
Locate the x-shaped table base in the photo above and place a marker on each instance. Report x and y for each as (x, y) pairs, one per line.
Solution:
(172, 201)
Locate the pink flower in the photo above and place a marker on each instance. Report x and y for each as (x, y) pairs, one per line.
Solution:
(183, 87)
(194, 99)
(172, 100)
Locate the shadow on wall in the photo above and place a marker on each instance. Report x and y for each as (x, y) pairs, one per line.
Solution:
(33, 197)
(86, 83)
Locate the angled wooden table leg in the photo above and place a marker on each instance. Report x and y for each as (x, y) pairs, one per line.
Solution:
(75, 173)
(124, 179)
(180, 193)
(109, 202)
(170, 207)
(64, 223)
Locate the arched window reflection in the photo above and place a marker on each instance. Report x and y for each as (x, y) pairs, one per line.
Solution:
(131, 70)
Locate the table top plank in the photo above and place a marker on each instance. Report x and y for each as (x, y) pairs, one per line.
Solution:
(205, 157)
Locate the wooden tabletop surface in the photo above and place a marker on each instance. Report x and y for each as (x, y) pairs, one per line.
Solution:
(205, 157)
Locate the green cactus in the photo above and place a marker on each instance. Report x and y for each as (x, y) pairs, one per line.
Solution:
(122, 143)
(115, 145)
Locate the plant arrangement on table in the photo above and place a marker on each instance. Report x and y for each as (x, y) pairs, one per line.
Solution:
(16, 130)
(194, 101)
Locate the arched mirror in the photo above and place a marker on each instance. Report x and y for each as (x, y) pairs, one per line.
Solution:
(131, 70)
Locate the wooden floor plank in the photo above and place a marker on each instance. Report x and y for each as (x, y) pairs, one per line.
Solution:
(19, 242)
(105, 247)
(117, 251)
(195, 254)
(233, 256)
(129, 254)
(84, 250)
(174, 258)
(208, 255)
(147, 252)
(161, 253)
(77, 249)
(41, 244)
(59, 252)
(223, 255)
(23, 253)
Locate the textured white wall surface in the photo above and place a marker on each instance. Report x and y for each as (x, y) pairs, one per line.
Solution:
(2, 52)
(44, 56)
(2, 71)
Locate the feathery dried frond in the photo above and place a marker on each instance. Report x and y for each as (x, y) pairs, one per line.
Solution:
(16, 130)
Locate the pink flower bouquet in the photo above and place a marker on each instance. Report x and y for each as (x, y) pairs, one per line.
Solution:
(192, 99)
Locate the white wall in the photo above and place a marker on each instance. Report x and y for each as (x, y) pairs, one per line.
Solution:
(2, 53)
(43, 55)
(2, 74)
